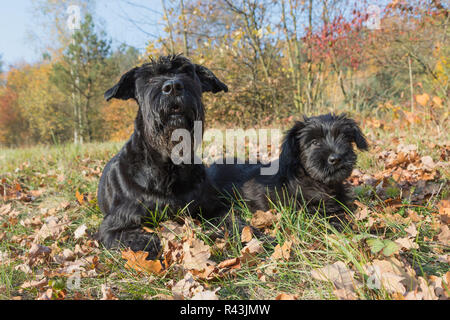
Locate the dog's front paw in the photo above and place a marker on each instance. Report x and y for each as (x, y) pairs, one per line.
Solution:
(142, 241)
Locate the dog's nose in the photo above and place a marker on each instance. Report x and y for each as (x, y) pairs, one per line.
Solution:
(174, 87)
(334, 159)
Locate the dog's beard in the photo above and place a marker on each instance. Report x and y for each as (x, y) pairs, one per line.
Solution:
(317, 167)
(171, 114)
(180, 112)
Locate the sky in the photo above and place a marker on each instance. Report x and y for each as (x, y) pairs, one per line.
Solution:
(16, 24)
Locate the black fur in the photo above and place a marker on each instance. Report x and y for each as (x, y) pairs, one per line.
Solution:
(305, 172)
(142, 176)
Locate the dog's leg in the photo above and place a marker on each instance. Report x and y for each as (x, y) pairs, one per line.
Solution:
(123, 229)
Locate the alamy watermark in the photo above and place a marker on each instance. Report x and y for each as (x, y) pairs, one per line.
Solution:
(374, 17)
(74, 18)
(227, 147)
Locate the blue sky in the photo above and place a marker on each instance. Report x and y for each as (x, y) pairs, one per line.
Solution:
(16, 21)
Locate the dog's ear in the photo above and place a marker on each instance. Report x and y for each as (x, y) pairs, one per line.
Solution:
(291, 145)
(125, 88)
(358, 137)
(209, 81)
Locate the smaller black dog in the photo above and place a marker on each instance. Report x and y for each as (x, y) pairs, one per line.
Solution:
(316, 157)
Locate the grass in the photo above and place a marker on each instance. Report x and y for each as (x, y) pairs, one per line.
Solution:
(60, 171)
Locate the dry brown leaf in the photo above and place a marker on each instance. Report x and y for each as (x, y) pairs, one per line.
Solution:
(138, 262)
(345, 294)
(186, 288)
(406, 243)
(411, 231)
(247, 234)
(171, 230)
(263, 219)
(34, 284)
(391, 274)
(52, 228)
(338, 274)
(428, 163)
(444, 235)
(250, 251)
(444, 211)
(38, 254)
(65, 255)
(5, 209)
(413, 216)
(80, 232)
(206, 295)
(286, 296)
(196, 255)
(229, 263)
(282, 252)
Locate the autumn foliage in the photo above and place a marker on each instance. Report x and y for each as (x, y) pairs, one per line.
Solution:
(280, 60)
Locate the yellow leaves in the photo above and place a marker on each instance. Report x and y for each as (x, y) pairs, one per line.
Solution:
(137, 261)
(423, 99)
(80, 197)
(437, 102)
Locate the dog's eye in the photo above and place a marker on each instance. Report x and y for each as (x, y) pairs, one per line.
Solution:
(315, 143)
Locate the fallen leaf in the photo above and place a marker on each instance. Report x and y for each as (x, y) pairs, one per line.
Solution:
(345, 294)
(444, 235)
(206, 295)
(52, 228)
(262, 219)
(80, 197)
(406, 243)
(80, 232)
(137, 261)
(250, 251)
(282, 252)
(247, 234)
(196, 255)
(286, 296)
(34, 284)
(411, 231)
(186, 288)
(338, 274)
(428, 163)
(422, 99)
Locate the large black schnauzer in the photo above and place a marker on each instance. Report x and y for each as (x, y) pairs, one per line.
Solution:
(142, 177)
(316, 157)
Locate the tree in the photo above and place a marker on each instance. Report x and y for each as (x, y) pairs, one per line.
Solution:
(84, 73)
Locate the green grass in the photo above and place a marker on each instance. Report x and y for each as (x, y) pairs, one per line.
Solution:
(63, 170)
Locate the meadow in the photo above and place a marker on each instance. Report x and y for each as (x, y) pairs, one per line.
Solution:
(393, 242)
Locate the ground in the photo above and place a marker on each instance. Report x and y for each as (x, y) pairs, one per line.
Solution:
(394, 243)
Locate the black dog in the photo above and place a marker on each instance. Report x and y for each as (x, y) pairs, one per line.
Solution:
(142, 177)
(316, 157)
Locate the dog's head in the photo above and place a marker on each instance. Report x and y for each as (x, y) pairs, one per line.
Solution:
(168, 91)
(324, 145)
